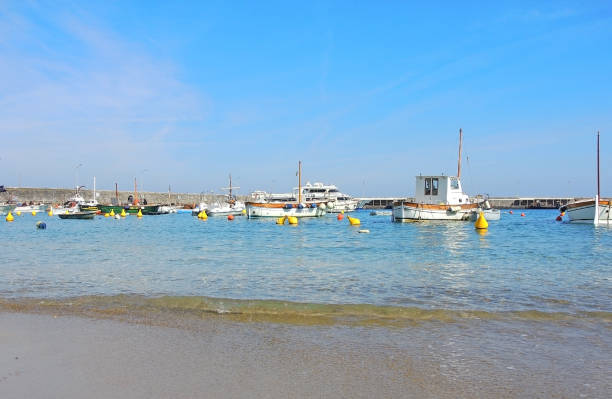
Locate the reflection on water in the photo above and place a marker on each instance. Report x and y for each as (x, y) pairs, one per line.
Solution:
(519, 264)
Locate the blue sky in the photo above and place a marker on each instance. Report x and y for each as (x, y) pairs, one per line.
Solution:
(367, 95)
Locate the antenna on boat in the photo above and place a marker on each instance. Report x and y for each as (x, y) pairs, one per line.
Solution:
(459, 161)
(299, 182)
(596, 217)
(116, 194)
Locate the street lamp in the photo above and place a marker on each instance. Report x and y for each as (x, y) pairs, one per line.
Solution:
(76, 174)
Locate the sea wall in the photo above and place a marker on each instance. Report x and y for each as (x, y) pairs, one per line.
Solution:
(60, 195)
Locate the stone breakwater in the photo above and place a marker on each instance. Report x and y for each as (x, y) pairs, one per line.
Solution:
(60, 195)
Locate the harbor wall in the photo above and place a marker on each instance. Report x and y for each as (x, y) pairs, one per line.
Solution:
(61, 195)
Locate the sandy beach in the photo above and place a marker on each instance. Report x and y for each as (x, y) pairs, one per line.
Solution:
(66, 356)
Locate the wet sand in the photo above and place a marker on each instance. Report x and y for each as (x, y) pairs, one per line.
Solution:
(66, 356)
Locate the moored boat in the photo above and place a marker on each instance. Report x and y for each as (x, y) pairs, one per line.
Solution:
(263, 205)
(584, 211)
(336, 201)
(592, 211)
(437, 198)
(78, 215)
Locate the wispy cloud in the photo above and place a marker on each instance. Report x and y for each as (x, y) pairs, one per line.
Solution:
(68, 78)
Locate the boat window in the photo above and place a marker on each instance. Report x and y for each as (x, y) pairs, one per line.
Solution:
(454, 183)
(428, 186)
(434, 186)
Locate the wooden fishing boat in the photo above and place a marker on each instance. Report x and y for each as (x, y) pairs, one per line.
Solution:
(437, 198)
(271, 207)
(592, 211)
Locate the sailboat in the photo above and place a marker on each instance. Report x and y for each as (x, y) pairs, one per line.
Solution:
(231, 205)
(585, 211)
(272, 206)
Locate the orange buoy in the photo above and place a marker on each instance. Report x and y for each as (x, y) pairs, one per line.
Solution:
(230, 217)
(523, 214)
(340, 216)
(511, 212)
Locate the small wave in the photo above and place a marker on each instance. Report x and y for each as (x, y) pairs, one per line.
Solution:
(277, 311)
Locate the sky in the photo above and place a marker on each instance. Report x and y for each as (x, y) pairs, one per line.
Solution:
(366, 94)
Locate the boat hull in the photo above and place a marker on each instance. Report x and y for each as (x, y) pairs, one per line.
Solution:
(258, 210)
(584, 212)
(132, 209)
(78, 215)
(410, 212)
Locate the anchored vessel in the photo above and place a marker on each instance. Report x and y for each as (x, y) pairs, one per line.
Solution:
(336, 201)
(438, 198)
(595, 211)
(231, 205)
(264, 205)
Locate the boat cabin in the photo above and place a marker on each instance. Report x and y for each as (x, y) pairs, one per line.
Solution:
(440, 190)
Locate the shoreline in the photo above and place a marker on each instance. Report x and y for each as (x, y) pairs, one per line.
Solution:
(46, 354)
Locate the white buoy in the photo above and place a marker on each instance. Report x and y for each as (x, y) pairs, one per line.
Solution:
(364, 231)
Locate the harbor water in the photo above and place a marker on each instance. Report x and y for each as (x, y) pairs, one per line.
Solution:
(521, 265)
(528, 300)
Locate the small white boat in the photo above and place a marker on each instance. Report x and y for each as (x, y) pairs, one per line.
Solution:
(596, 211)
(488, 213)
(202, 206)
(230, 207)
(584, 212)
(227, 209)
(25, 208)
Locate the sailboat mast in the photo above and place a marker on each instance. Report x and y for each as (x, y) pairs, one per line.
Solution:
(135, 193)
(116, 193)
(598, 191)
(459, 161)
(299, 182)
(230, 188)
(94, 193)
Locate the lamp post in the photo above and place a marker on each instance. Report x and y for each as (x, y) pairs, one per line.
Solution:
(76, 174)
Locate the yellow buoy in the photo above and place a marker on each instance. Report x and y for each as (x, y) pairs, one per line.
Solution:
(244, 211)
(9, 217)
(280, 220)
(342, 212)
(106, 214)
(50, 213)
(481, 222)
(203, 215)
(292, 220)
(354, 221)
(139, 214)
(112, 213)
(66, 211)
(33, 213)
(123, 213)
(18, 213)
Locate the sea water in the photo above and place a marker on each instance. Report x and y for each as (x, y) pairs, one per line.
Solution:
(520, 264)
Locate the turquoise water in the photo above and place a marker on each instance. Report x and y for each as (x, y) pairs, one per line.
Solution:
(520, 264)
